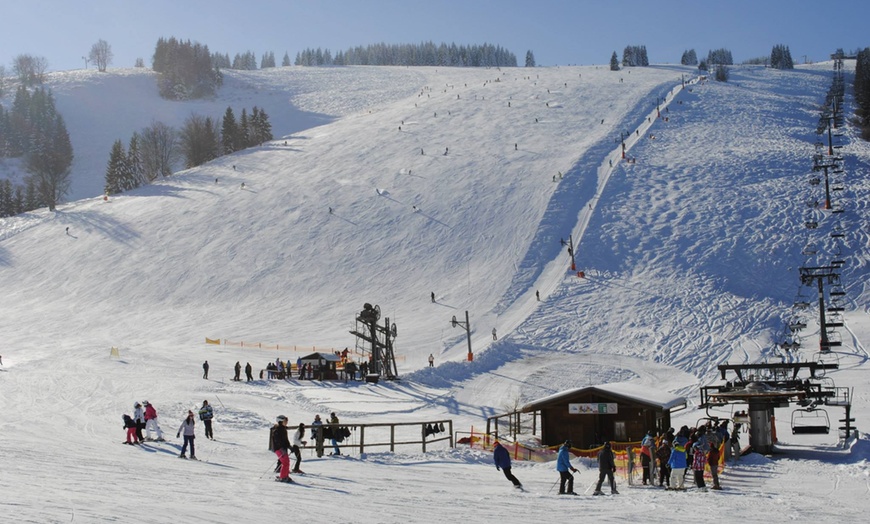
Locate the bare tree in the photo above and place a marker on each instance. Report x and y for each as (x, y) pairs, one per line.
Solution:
(30, 69)
(159, 147)
(2, 80)
(101, 54)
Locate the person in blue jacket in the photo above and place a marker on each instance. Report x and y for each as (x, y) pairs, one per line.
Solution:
(677, 462)
(564, 467)
(503, 462)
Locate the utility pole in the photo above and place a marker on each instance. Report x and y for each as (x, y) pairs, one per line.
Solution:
(86, 61)
(467, 326)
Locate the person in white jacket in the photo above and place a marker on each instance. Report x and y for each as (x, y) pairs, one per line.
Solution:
(295, 446)
(187, 426)
(139, 418)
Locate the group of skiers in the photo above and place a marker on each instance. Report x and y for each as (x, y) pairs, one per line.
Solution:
(676, 453)
(237, 369)
(147, 419)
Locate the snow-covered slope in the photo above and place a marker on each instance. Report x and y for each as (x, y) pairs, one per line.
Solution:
(460, 182)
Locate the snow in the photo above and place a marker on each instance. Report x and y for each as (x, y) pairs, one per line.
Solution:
(690, 256)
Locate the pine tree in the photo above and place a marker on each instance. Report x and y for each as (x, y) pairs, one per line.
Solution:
(530, 59)
(230, 133)
(50, 153)
(286, 61)
(135, 168)
(115, 169)
(614, 62)
(244, 130)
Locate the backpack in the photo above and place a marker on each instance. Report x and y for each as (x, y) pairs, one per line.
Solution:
(272, 437)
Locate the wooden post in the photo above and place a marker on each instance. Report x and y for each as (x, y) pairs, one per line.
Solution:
(362, 439)
(450, 424)
(393, 438)
(423, 432)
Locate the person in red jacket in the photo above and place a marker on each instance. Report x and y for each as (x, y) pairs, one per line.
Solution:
(151, 422)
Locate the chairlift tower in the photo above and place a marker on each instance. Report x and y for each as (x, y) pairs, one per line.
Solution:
(820, 275)
(376, 341)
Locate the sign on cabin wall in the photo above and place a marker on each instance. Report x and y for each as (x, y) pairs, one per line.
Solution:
(593, 409)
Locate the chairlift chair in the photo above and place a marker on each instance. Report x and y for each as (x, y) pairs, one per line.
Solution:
(810, 421)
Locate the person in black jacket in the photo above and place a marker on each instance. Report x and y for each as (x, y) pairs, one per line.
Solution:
(248, 375)
(238, 369)
(606, 468)
(280, 445)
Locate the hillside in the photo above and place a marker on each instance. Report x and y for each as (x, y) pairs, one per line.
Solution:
(385, 185)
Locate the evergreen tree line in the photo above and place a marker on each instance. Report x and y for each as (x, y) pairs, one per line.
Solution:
(862, 91)
(184, 70)
(32, 129)
(635, 55)
(423, 54)
(780, 57)
(689, 58)
(153, 151)
(245, 61)
(719, 57)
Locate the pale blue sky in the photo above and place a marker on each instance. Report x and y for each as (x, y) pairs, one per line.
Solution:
(558, 32)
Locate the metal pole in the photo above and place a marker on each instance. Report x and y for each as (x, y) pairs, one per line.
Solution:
(468, 336)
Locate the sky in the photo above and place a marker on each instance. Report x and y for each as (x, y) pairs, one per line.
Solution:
(558, 32)
(689, 252)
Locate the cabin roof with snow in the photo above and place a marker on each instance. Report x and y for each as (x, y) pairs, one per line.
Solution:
(318, 356)
(654, 398)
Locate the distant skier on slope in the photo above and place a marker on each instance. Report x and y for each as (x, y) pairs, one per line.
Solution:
(206, 414)
(238, 370)
(187, 426)
(205, 370)
(248, 376)
(151, 422)
(130, 426)
(502, 460)
(139, 419)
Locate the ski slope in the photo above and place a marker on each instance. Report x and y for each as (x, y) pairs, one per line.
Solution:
(460, 182)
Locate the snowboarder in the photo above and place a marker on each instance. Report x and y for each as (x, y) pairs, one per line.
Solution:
(317, 435)
(205, 370)
(538, 295)
(187, 425)
(206, 413)
(606, 468)
(564, 467)
(151, 422)
(130, 426)
(333, 419)
(433, 296)
(279, 444)
(647, 445)
(296, 445)
(238, 369)
(494, 336)
(431, 360)
(139, 419)
(248, 375)
(502, 460)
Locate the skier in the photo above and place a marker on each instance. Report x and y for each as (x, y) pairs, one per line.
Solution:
(151, 422)
(205, 370)
(279, 444)
(606, 468)
(333, 419)
(663, 453)
(187, 425)
(699, 461)
(494, 336)
(206, 413)
(502, 460)
(677, 462)
(317, 435)
(431, 360)
(564, 467)
(538, 295)
(130, 426)
(139, 419)
(647, 445)
(238, 370)
(715, 441)
(296, 445)
(432, 294)
(248, 375)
